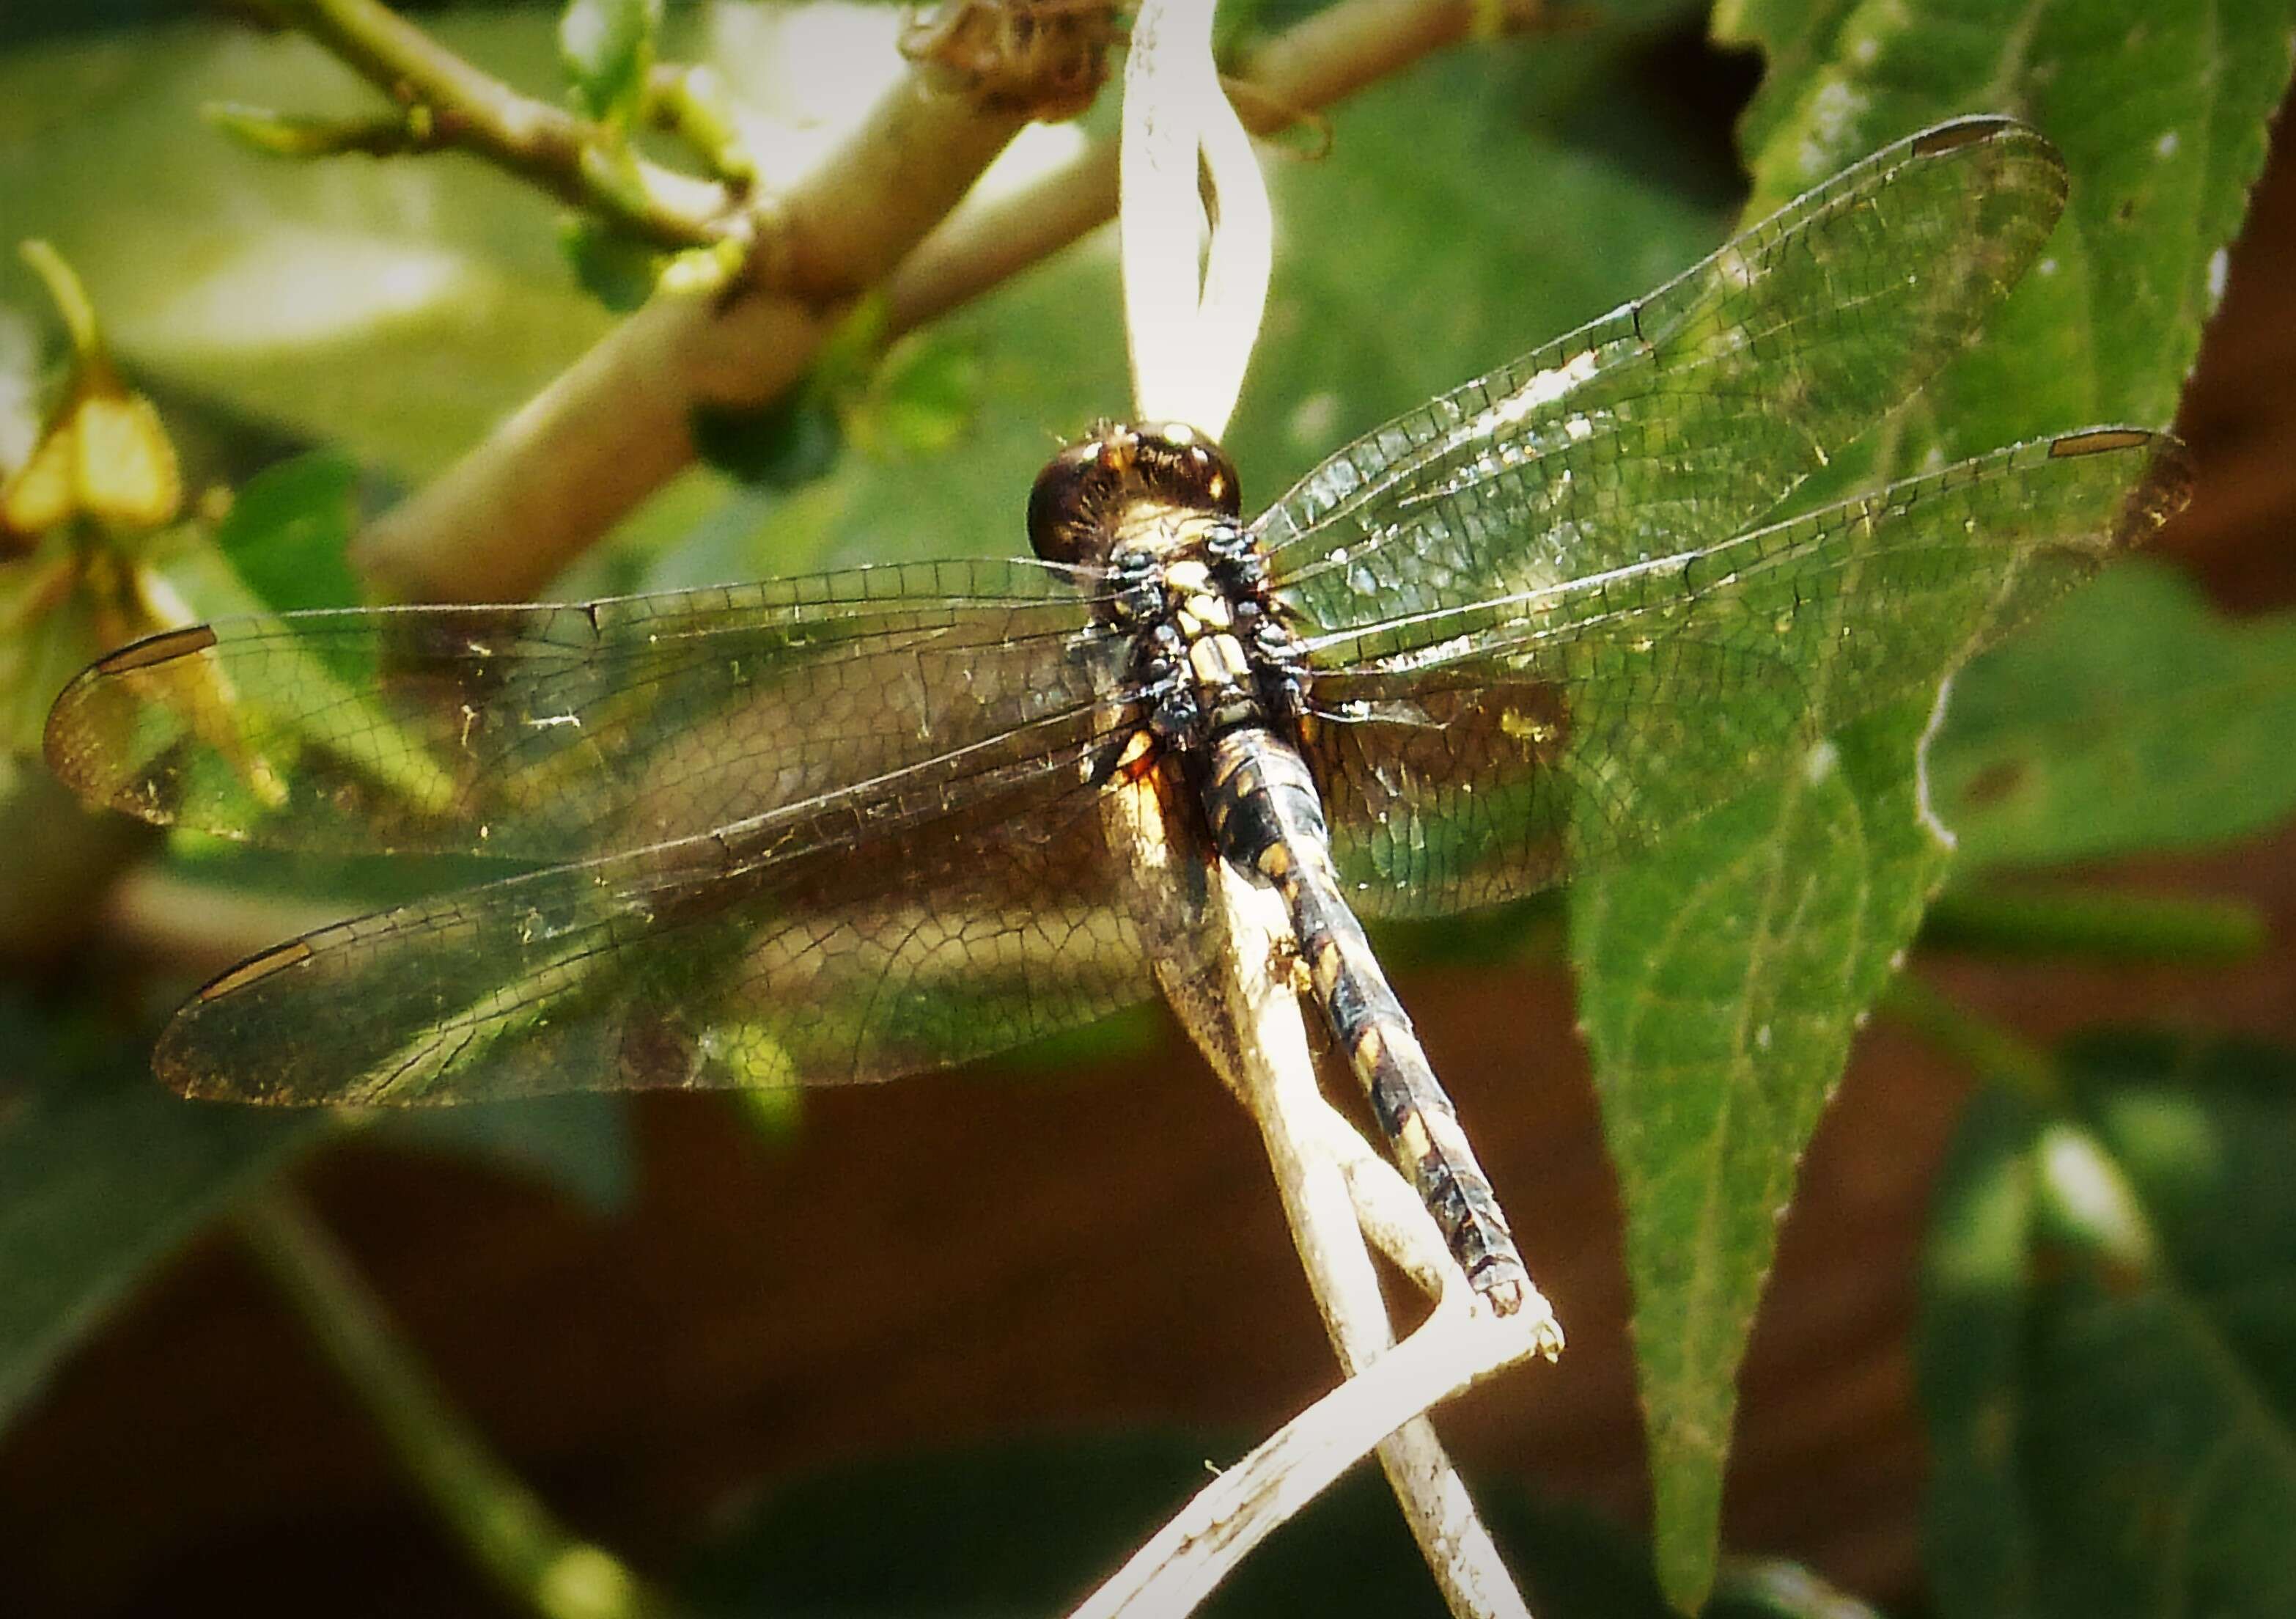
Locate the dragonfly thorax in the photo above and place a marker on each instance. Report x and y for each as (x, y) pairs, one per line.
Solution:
(1156, 509)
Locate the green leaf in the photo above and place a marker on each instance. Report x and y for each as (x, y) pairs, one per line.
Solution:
(616, 270)
(1720, 981)
(2162, 114)
(794, 441)
(288, 531)
(608, 49)
(2108, 1343)
(1716, 1044)
(105, 1173)
(2134, 718)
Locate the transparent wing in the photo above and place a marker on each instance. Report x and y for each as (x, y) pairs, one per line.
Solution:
(856, 937)
(1684, 416)
(559, 731)
(1483, 752)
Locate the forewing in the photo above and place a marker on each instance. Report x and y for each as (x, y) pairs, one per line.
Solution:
(559, 731)
(1682, 416)
(848, 940)
(1519, 738)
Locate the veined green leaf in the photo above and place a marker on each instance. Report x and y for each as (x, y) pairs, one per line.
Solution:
(1715, 1054)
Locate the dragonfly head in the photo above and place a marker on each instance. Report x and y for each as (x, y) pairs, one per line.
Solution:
(1086, 491)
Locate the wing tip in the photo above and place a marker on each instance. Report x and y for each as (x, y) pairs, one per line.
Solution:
(179, 1058)
(1973, 129)
(2165, 491)
(69, 743)
(176, 1064)
(2163, 488)
(2006, 143)
(70, 736)
(165, 647)
(259, 966)
(59, 742)
(1956, 133)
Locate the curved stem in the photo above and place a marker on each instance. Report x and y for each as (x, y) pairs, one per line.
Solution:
(1996, 1055)
(1457, 1347)
(1336, 1190)
(1189, 337)
(2110, 924)
(501, 1524)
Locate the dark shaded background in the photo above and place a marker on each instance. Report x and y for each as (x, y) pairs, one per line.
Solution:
(999, 1253)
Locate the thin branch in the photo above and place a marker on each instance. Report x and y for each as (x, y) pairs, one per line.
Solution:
(2107, 925)
(1998, 1055)
(1457, 1347)
(1335, 1191)
(608, 433)
(1329, 56)
(564, 469)
(466, 109)
(1189, 337)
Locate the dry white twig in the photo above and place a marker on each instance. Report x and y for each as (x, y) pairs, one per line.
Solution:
(1191, 335)
(1337, 1189)
(1460, 1344)
(1191, 332)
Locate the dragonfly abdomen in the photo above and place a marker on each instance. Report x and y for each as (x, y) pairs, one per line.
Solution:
(1267, 820)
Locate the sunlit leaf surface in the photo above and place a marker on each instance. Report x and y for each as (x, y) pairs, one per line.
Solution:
(1717, 1045)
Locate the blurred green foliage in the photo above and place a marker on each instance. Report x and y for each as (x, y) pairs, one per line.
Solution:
(609, 46)
(1029, 1525)
(104, 1173)
(2109, 1338)
(2149, 684)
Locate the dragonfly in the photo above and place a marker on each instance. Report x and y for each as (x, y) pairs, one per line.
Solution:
(853, 825)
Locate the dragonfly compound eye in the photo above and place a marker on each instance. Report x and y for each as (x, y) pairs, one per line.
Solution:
(1067, 503)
